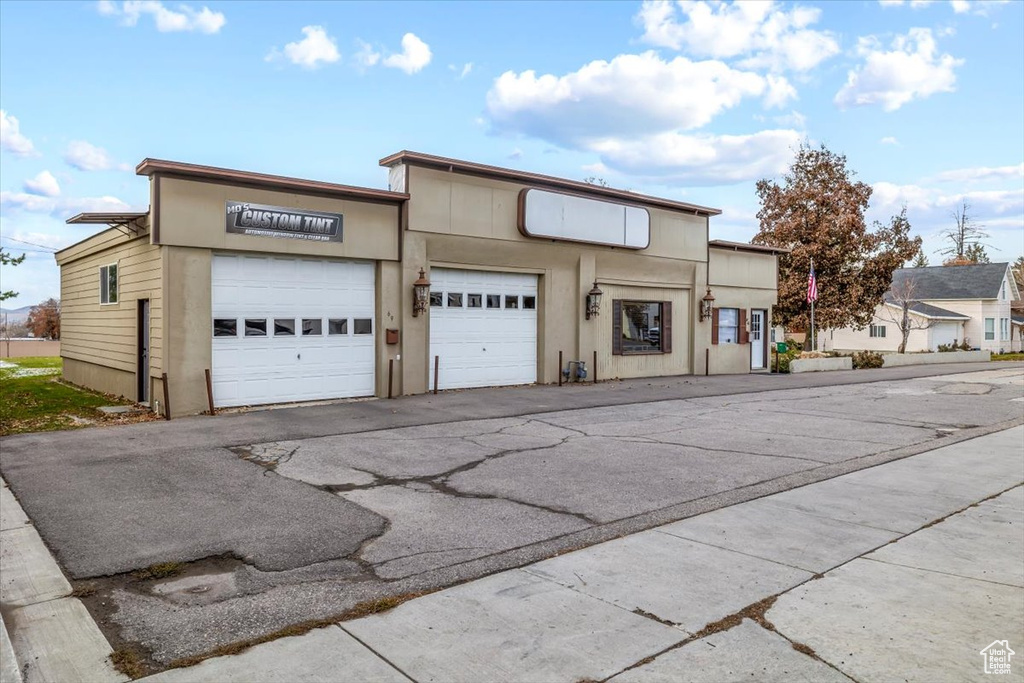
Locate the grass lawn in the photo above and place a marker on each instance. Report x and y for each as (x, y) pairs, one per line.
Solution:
(1008, 356)
(34, 399)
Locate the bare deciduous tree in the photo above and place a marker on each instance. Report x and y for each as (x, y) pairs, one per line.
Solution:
(965, 233)
(900, 301)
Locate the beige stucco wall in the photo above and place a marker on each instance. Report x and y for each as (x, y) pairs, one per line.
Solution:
(106, 335)
(461, 221)
(743, 280)
(192, 214)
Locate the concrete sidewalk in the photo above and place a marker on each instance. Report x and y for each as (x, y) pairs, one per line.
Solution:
(904, 571)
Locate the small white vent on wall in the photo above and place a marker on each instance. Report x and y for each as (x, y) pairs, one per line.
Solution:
(553, 215)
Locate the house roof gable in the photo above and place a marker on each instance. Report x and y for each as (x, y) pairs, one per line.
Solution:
(976, 281)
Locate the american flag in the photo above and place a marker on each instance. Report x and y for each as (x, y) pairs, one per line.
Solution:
(812, 286)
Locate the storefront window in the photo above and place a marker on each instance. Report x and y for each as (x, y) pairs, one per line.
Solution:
(641, 326)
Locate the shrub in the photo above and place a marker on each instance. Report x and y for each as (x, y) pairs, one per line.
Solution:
(792, 352)
(866, 359)
(965, 345)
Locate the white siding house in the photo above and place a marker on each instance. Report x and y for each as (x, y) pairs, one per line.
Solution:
(953, 303)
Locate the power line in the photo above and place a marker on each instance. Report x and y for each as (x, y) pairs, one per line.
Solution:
(31, 244)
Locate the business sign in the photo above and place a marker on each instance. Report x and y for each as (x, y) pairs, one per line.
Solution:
(258, 220)
(558, 216)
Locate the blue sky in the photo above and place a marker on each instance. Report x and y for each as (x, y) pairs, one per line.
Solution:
(694, 101)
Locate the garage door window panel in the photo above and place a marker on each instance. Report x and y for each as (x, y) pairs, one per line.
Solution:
(284, 327)
(225, 327)
(337, 326)
(493, 301)
(474, 300)
(362, 326)
(437, 299)
(312, 327)
(255, 327)
(454, 299)
(529, 303)
(511, 301)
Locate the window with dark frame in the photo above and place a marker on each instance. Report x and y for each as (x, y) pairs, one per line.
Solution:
(255, 327)
(225, 327)
(641, 326)
(877, 331)
(108, 284)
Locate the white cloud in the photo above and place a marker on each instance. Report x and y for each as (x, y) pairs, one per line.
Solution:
(701, 159)
(890, 140)
(43, 184)
(984, 202)
(793, 119)
(87, 157)
(766, 35)
(59, 208)
(911, 69)
(414, 56)
(182, 18)
(516, 154)
(315, 49)
(630, 95)
(11, 138)
(979, 7)
(968, 175)
(463, 71)
(366, 56)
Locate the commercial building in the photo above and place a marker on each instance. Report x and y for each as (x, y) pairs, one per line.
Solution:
(296, 290)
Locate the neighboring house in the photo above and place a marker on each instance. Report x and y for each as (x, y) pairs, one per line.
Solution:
(1017, 331)
(947, 304)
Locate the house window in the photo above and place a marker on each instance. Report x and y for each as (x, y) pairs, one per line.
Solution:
(108, 284)
(728, 326)
(1004, 290)
(990, 329)
(1004, 329)
(641, 326)
(876, 331)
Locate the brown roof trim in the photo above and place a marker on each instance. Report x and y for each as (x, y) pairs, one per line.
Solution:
(150, 167)
(106, 218)
(536, 179)
(743, 246)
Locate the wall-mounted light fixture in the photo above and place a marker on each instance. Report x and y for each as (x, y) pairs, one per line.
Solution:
(593, 302)
(707, 305)
(420, 294)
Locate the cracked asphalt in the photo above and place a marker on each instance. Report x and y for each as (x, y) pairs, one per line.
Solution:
(282, 531)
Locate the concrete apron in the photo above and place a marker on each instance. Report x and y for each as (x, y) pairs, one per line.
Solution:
(906, 570)
(45, 635)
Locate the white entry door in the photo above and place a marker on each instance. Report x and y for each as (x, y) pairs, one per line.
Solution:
(483, 328)
(757, 319)
(291, 329)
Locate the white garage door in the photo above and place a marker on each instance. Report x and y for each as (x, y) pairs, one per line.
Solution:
(483, 326)
(288, 329)
(944, 333)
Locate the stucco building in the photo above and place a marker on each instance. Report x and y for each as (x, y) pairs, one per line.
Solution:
(293, 290)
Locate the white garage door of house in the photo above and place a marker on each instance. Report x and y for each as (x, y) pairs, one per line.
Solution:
(483, 326)
(944, 333)
(288, 329)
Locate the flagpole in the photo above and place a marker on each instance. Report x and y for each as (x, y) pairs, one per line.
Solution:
(813, 347)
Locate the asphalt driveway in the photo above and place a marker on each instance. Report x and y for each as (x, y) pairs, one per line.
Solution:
(340, 507)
